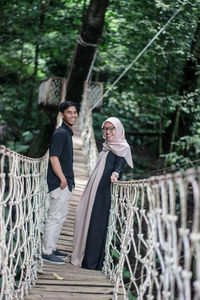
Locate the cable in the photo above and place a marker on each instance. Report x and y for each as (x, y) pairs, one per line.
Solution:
(91, 66)
(137, 57)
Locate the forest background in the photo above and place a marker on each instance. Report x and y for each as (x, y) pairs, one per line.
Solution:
(157, 100)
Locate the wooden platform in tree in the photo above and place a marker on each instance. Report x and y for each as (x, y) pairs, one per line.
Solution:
(77, 283)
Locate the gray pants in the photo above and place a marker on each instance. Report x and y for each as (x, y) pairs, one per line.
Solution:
(59, 202)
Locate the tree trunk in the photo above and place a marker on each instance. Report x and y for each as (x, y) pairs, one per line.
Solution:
(89, 36)
(20, 70)
(175, 128)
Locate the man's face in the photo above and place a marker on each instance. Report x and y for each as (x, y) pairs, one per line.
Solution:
(70, 115)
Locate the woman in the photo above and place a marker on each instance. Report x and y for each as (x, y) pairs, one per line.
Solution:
(92, 213)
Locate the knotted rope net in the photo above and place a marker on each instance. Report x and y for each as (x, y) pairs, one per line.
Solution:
(153, 243)
(52, 91)
(23, 208)
(93, 91)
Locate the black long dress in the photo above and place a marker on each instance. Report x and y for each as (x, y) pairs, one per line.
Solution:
(96, 237)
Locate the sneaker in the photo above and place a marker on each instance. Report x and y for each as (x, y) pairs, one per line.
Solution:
(52, 258)
(60, 253)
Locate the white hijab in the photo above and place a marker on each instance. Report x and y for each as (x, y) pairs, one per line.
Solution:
(118, 145)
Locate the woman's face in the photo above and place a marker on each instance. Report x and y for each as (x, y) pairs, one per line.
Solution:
(109, 131)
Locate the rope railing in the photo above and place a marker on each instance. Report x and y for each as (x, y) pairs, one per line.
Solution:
(86, 122)
(153, 242)
(23, 207)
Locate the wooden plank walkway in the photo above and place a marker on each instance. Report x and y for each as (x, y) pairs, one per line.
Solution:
(77, 283)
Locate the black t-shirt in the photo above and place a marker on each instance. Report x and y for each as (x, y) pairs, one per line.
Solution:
(61, 146)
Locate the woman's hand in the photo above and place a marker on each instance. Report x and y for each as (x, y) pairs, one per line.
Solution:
(114, 177)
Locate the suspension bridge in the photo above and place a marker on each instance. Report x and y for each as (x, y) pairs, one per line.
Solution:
(153, 241)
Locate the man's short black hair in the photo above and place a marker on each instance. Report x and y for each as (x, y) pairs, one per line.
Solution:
(64, 105)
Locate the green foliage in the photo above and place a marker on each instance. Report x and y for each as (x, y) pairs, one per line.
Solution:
(126, 274)
(186, 151)
(23, 145)
(147, 96)
(131, 296)
(115, 253)
(50, 26)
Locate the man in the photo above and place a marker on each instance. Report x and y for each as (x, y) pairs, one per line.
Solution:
(60, 179)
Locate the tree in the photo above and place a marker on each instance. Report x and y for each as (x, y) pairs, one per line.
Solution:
(88, 42)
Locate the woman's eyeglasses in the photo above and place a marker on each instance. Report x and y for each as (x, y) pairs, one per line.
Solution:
(105, 129)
